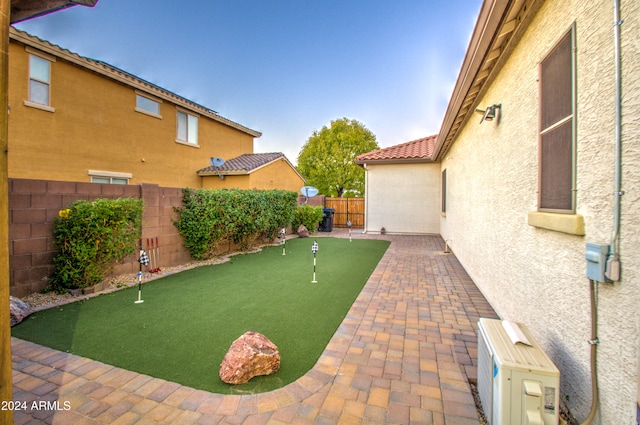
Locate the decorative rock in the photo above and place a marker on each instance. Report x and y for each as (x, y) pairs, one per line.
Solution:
(18, 310)
(303, 232)
(250, 355)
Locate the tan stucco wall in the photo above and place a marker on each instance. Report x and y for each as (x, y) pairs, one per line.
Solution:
(277, 175)
(95, 127)
(538, 276)
(402, 198)
(229, 182)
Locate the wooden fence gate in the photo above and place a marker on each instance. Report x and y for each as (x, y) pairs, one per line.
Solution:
(347, 209)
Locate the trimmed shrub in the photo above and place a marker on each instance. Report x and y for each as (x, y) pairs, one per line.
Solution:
(208, 217)
(309, 216)
(91, 236)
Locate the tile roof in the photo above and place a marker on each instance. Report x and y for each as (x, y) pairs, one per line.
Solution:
(420, 150)
(243, 164)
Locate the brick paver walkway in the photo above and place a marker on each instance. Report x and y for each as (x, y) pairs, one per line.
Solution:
(403, 355)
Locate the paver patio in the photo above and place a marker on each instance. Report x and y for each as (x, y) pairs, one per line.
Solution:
(403, 355)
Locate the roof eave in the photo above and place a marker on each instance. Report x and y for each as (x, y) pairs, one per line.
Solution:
(224, 173)
(362, 162)
(499, 26)
(22, 10)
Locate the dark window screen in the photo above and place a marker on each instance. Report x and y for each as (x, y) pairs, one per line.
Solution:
(556, 128)
(555, 99)
(555, 167)
(444, 191)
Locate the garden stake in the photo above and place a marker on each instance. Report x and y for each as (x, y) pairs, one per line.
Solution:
(144, 259)
(284, 240)
(153, 257)
(314, 249)
(150, 256)
(158, 252)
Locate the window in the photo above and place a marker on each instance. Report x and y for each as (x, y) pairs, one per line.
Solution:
(557, 129)
(108, 180)
(147, 105)
(39, 80)
(187, 128)
(109, 177)
(444, 192)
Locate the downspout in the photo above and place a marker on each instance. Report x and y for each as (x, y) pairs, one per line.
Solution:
(613, 262)
(366, 198)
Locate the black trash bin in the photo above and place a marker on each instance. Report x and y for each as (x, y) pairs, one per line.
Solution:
(326, 225)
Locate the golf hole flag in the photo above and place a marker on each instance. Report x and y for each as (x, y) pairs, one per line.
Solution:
(144, 258)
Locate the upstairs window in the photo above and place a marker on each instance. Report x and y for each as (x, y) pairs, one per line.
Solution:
(187, 128)
(557, 128)
(147, 105)
(39, 80)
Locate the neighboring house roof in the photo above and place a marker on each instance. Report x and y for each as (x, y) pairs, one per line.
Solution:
(420, 150)
(124, 77)
(499, 27)
(246, 164)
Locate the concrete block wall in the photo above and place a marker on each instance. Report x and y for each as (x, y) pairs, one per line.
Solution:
(33, 204)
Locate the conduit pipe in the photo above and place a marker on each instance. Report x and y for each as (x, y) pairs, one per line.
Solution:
(593, 285)
(613, 262)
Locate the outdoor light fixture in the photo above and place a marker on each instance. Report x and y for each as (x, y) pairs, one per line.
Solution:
(491, 112)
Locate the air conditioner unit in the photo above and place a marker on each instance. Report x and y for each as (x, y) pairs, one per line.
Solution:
(517, 382)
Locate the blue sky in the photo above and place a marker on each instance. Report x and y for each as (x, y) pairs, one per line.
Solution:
(285, 68)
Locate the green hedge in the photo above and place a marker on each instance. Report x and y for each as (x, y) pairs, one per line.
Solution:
(208, 217)
(309, 216)
(91, 237)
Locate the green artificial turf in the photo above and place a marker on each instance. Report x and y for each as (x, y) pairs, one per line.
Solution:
(189, 319)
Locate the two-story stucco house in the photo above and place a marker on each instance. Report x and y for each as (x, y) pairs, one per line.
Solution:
(78, 119)
(538, 156)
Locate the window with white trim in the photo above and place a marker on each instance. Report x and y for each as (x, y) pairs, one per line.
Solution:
(39, 80)
(557, 128)
(109, 177)
(147, 105)
(187, 128)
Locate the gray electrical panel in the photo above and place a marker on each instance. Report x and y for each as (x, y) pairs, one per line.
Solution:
(596, 257)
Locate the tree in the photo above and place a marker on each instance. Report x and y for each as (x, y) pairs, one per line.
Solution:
(327, 159)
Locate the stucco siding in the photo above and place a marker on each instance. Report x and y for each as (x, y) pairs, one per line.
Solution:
(95, 127)
(403, 198)
(538, 276)
(277, 175)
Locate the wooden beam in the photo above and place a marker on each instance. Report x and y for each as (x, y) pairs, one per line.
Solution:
(6, 391)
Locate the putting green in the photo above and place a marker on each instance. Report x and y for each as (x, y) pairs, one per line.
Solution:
(188, 320)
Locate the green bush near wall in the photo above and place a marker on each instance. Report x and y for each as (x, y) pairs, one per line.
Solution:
(308, 216)
(208, 217)
(91, 236)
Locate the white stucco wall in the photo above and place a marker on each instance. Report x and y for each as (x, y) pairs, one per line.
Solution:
(538, 276)
(402, 198)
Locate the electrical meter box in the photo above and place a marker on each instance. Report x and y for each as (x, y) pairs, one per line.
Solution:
(596, 257)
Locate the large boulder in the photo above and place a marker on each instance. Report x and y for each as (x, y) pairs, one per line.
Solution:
(250, 355)
(18, 310)
(303, 232)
